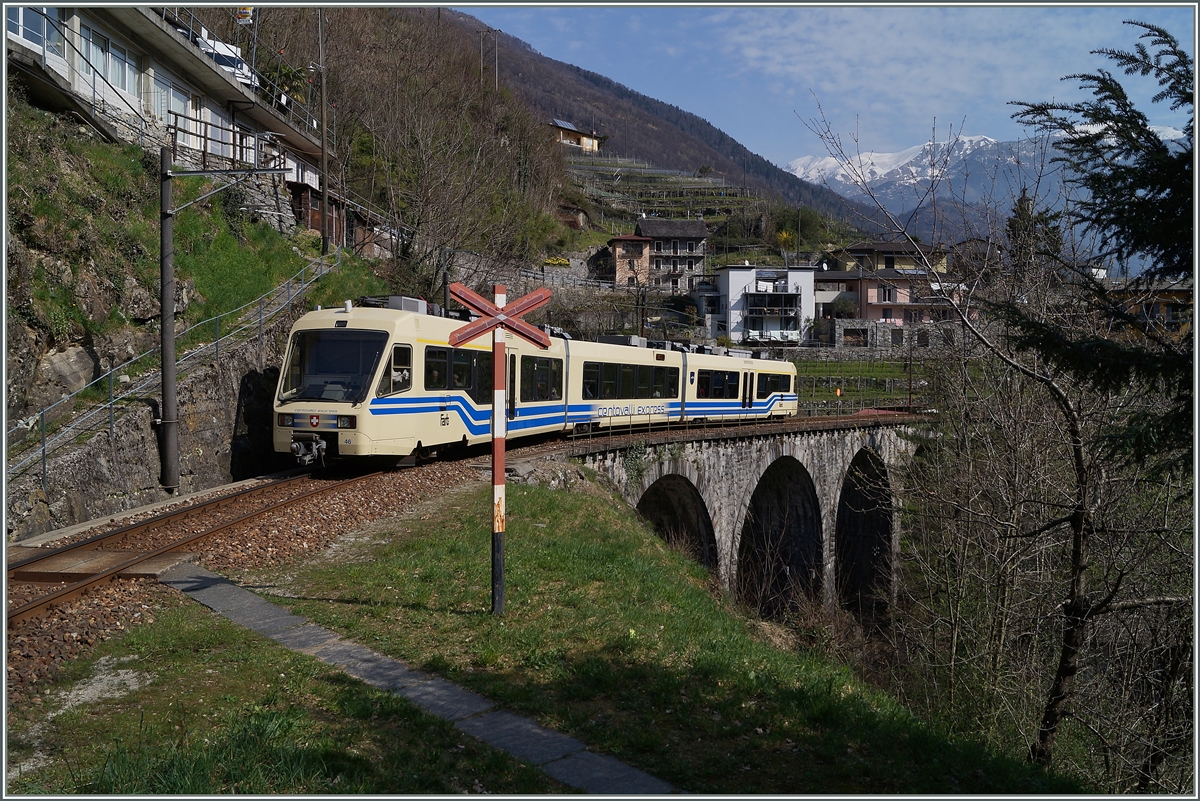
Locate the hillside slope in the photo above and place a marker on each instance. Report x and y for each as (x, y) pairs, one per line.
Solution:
(644, 128)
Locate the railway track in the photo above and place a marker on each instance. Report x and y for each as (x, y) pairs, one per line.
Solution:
(41, 578)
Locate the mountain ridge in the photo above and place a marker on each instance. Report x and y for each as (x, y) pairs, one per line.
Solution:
(642, 127)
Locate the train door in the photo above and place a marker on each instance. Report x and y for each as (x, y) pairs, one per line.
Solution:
(747, 395)
(510, 386)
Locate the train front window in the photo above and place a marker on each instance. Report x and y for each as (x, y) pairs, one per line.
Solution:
(333, 365)
(397, 378)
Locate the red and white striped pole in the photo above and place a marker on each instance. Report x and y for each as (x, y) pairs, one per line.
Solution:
(497, 318)
(499, 432)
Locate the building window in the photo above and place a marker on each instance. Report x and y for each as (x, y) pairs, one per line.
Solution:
(632, 280)
(122, 69)
(674, 265)
(886, 294)
(93, 50)
(691, 247)
(889, 262)
(691, 264)
(674, 245)
(39, 26)
(658, 246)
(658, 264)
(886, 314)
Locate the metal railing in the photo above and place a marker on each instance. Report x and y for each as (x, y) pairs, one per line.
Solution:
(269, 85)
(125, 390)
(549, 277)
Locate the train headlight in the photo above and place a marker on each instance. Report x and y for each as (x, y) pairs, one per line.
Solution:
(346, 421)
(285, 421)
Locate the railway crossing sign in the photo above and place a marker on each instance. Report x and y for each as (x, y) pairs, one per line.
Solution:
(498, 318)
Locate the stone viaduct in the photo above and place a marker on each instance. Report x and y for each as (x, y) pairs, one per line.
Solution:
(811, 507)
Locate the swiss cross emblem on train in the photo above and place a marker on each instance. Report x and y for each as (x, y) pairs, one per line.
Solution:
(497, 317)
(314, 420)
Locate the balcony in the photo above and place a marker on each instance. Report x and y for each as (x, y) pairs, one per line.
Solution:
(759, 304)
(771, 336)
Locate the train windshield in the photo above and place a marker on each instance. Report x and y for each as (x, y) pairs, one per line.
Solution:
(331, 364)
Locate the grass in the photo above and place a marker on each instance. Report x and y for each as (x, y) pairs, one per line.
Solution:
(227, 711)
(608, 636)
(866, 381)
(611, 637)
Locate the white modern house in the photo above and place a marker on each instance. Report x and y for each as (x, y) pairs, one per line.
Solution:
(764, 305)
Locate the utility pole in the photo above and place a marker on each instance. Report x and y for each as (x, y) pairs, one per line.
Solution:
(480, 34)
(324, 148)
(168, 420)
(169, 413)
(496, 42)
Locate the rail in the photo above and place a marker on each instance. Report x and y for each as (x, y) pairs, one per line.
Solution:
(37, 607)
(124, 389)
(639, 431)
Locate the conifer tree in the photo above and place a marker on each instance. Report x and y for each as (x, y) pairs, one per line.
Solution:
(1136, 198)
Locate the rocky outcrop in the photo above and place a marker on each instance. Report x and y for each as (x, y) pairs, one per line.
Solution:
(224, 435)
(50, 358)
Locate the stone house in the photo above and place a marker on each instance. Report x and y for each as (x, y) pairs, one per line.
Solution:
(667, 255)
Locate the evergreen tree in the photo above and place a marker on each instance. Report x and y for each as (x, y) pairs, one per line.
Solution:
(1136, 198)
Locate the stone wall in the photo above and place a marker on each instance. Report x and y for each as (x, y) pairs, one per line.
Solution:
(224, 435)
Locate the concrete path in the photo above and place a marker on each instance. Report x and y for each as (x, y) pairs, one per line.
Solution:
(561, 757)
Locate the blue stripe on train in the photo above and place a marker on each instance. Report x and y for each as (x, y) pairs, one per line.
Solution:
(478, 421)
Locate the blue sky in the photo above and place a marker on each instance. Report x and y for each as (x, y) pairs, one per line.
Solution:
(891, 73)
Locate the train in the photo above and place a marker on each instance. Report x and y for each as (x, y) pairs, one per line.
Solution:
(379, 379)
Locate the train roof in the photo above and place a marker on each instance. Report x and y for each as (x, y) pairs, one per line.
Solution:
(396, 320)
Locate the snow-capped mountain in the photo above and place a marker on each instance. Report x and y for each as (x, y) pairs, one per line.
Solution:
(972, 172)
(970, 169)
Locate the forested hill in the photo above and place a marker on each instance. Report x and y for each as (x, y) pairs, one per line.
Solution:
(644, 128)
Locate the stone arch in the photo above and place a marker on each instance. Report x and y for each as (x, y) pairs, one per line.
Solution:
(780, 548)
(675, 508)
(863, 539)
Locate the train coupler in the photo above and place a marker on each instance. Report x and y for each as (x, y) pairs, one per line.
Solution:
(308, 449)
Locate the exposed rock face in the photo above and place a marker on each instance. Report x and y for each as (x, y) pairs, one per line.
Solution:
(60, 373)
(136, 301)
(224, 435)
(94, 294)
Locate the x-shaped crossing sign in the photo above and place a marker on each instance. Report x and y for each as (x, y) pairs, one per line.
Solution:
(498, 317)
(492, 316)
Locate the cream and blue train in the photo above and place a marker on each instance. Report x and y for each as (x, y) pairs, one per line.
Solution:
(360, 381)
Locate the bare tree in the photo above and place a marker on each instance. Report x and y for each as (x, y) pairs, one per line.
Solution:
(1018, 518)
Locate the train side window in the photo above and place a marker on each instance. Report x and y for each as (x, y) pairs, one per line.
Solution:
(609, 387)
(717, 383)
(731, 385)
(591, 380)
(541, 379)
(556, 379)
(462, 369)
(659, 387)
(398, 376)
(644, 380)
(703, 383)
(481, 391)
(773, 382)
(672, 383)
(437, 360)
(628, 384)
